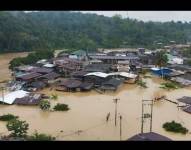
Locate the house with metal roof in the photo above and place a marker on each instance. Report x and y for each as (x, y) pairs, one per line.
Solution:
(150, 136)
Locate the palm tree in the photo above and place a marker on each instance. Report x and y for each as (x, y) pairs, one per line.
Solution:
(161, 60)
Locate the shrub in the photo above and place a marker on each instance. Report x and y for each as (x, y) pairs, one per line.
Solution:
(169, 85)
(61, 107)
(18, 128)
(41, 137)
(175, 127)
(8, 117)
(45, 105)
(54, 96)
(141, 83)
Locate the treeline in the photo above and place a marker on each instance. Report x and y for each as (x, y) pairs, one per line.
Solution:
(31, 58)
(73, 30)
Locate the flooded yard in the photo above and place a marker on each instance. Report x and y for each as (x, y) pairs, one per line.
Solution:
(88, 112)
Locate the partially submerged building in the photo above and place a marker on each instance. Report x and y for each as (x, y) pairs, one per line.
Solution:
(112, 59)
(31, 99)
(69, 85)
(111, 84)
(150, 136)
(98, 68)
(11, 97)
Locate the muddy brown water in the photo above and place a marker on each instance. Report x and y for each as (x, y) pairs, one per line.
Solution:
(88, 111)
(5, 73)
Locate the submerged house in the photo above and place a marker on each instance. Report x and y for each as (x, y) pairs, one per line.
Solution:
(42, 70)
(111, 84)
(35, 86)
(128, 77)
(113, 59)
(96, 77)
(123, 66)
(184, 79)
(150, 136)
(79, 74)
(98, 68)
(28, 77)
(11, 97)
(50, 77)
(86, 86)
(67, 65)
(31, 99)
(69, 85)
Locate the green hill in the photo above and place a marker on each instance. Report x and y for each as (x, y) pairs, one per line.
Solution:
(21, 31)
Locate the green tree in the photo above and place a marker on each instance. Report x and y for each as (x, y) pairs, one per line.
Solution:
(45, 105)
(161, 60)
(18, 128)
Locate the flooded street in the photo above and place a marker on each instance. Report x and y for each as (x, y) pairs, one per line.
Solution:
(4, 64)
(88, 112)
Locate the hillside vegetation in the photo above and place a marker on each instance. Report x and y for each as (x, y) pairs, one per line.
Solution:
(73, 30)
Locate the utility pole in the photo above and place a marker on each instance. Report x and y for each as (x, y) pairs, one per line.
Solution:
(142, 117)
(120, 127)
(115, 101)
(151, 121)
(146, 115)
(2, 89)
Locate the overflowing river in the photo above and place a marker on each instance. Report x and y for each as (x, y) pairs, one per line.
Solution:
(86, 119)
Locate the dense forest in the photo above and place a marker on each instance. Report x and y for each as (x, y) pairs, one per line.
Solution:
(20, 31)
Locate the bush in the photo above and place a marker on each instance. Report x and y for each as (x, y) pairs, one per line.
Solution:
(45, 105)
(61, 107)
(18, 128)
(8, 117)
(40, 137)
(175, 127)
(54, 96)
(141, 83)
(169, 85)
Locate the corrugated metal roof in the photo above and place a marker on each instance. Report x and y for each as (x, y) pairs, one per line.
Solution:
(98, 74)
(10, 98)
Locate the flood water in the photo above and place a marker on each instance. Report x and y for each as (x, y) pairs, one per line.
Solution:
(4, 64)
(88, 113)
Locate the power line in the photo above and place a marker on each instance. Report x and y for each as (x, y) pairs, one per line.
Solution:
(81, 131)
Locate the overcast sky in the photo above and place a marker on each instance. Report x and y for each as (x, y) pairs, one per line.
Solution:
(149, 15)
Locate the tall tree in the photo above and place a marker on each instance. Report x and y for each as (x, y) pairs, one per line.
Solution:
(161, 60)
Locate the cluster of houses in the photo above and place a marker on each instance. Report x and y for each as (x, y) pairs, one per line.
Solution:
(104, 70)
(78, 71)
